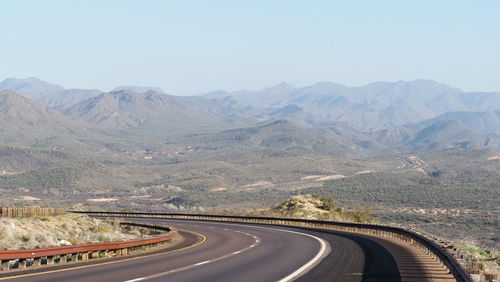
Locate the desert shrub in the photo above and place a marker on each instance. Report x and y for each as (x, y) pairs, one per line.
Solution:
(25, 238)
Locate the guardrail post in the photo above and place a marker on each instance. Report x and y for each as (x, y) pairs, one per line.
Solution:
(37, 261)
(5, 265)
(85, 255)
(21, 263)
(63, 259)
(74, 257)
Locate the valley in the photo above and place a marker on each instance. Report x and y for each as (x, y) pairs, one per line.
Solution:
(136, 148)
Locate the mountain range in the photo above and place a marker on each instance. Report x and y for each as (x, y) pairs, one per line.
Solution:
(374, 106)
(151, 112)
(378, 118)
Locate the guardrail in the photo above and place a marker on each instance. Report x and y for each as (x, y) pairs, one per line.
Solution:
(54, 255)
(29, 211)
(412, 238)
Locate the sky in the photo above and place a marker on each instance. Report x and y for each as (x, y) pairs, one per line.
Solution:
(188, 47)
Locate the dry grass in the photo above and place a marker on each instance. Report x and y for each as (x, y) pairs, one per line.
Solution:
(66, 229)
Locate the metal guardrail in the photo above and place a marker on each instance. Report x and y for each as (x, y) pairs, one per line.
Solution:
(427, 245)
(47, 256)
(29, 211)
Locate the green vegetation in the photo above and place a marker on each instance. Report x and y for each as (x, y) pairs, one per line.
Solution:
(484, 255)
(311, 207)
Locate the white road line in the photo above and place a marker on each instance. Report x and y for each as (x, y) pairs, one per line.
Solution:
(324, 250)
(196, 264)
(136, 279)
(302, 270)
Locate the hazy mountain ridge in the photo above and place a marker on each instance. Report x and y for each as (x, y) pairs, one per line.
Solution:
(486, 123)
(337, 114)
(137, 89)
(450, 130)
(285, 135)
(153, 113)
(26, 122)
(378, 105)
(32, 88)
(63, 99)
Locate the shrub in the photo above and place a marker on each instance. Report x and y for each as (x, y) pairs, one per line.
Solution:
(25, 238)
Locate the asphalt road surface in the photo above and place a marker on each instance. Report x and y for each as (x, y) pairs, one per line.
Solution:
(245, 252)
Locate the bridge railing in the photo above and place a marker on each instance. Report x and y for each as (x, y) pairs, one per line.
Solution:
(20, 259)
(426, 245)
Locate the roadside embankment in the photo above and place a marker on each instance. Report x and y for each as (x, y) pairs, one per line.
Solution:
(61, 230)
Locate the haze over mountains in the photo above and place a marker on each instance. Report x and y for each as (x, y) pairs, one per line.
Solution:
(378, 105)
(374, 119)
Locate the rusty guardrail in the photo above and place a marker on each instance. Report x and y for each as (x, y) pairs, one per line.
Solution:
(427, 245)
(29, 211)
(49, 256)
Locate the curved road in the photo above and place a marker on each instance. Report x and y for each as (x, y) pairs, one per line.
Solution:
(244, 252)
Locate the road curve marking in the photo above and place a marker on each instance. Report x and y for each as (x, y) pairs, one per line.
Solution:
(302, 270)
(164, 273)
(203, 239)
(136, 279)
(324, 249)
(203, 262)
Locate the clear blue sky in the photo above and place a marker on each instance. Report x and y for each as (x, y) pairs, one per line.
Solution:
(187, 47)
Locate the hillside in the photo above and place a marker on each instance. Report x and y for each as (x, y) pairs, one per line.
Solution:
(286, 136)
(65, 98)
(444, 135)
(35, 171)
(451, 130)
(226, 109)
(62, 230)
(151, 113)
(484, 123)
(15, 159)
(24, 122)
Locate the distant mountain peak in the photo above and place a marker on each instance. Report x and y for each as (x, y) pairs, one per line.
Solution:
(31, 87)
(280, 89)
(152, 112)
(138, 89)
(284, 86)
(323, 87)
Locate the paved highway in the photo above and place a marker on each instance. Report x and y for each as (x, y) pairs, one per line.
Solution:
(241, 252)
